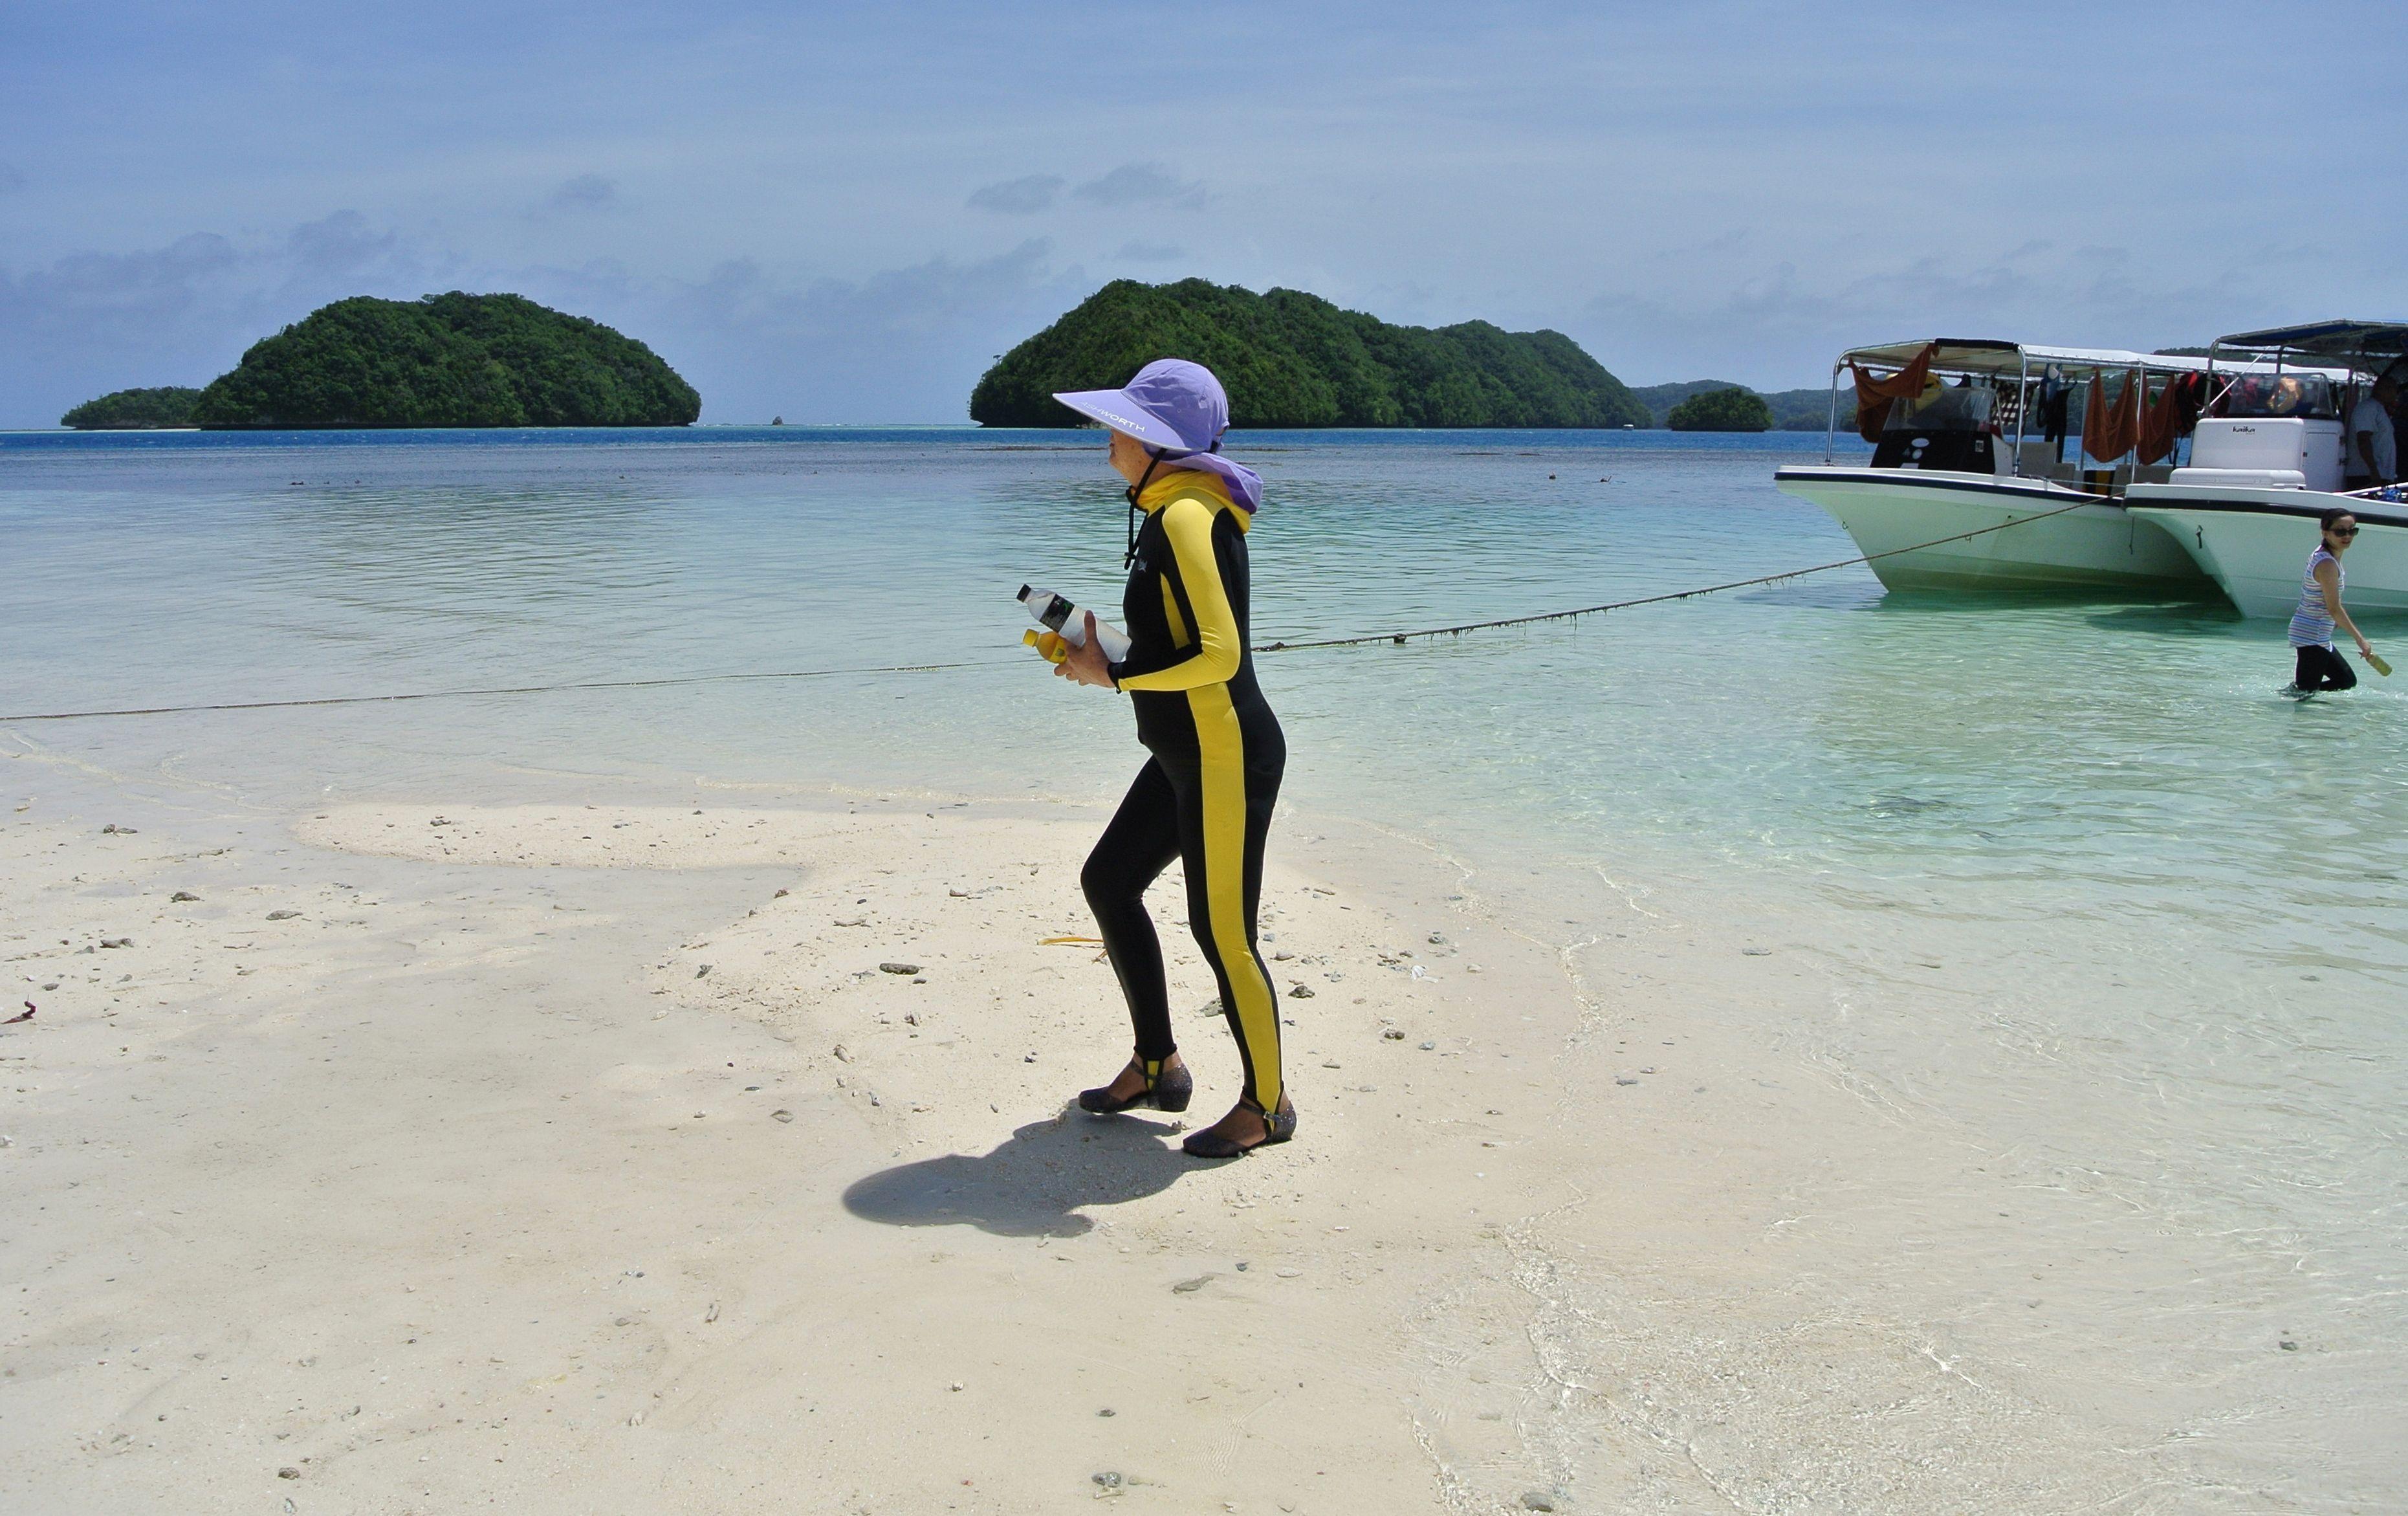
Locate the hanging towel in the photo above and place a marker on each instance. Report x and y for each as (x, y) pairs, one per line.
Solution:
(2169, 418)
(2108, 428)
(1874, 397)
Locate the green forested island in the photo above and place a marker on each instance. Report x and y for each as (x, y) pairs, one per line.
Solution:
(135, 411)
(446, 360)
(1793, 411)
(1292, 359)
(1734, 409)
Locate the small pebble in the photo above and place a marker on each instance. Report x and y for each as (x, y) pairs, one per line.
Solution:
(1538, 1499)
(282, 915)
(1191, 1286)
(288, 1472)
(1107, 1480)
(1429, 1046)
(899, 968)
(1392, 1035)
(702, 970)
(1303, 992)
(1621, 1080)
(781, 1115)
(1108, 1411)
(183, 895)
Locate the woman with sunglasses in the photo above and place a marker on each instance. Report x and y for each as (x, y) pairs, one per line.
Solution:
(2320, 609)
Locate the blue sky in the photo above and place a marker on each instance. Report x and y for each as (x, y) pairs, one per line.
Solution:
(842, 213)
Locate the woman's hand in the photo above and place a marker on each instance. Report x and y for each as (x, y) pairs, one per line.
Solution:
(1086, 663)
(2363, 650)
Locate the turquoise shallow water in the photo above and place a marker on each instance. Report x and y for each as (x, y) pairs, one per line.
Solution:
(2048, 747)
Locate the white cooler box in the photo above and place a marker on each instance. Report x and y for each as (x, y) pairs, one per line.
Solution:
(2266, 452)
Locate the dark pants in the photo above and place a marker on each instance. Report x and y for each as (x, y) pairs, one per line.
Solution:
(1173, 811)
(2322, 668)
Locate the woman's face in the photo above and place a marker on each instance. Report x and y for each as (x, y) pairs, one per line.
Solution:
(1129, 456)
(2341, 534)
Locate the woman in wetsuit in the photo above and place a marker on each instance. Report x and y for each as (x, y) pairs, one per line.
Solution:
(1204, 795)
(2318, 667)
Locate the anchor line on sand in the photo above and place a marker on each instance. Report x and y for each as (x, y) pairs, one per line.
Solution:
(669, 680)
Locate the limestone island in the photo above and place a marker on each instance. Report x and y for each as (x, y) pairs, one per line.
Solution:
(1734, 409)
(135, 411)
(1291, 359)
(451, 359)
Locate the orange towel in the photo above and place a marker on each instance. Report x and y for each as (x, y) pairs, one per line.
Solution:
(2108, 429)
(1875, 395)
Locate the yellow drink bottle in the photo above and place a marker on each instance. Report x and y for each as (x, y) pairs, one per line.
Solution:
(1066, 622)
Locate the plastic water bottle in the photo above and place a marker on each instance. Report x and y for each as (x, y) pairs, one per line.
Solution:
(1056, 614)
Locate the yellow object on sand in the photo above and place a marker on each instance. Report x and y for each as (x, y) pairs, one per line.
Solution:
(1072, 942)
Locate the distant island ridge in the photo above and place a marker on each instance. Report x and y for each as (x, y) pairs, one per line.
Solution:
(1289, 358)
(455, 360)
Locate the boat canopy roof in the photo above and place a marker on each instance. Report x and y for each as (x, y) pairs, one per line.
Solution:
(1997, 356)
(2365, 343)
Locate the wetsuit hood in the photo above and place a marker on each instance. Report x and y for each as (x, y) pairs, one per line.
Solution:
(1170, 485)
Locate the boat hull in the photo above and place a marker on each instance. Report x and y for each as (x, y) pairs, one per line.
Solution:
(2096, 546)
(2255, 544)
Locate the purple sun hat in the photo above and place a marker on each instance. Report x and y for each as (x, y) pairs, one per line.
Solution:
(1180, 410)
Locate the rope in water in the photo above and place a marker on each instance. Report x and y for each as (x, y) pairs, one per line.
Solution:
(517, 689)
(1660, 599)
(989, 663)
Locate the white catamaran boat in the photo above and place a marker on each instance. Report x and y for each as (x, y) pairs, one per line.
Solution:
(2272, 456)
(1970, 486)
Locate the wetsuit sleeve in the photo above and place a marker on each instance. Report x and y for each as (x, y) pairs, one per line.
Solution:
(1218, 651)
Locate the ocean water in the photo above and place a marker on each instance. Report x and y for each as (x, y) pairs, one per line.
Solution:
(2085, 886)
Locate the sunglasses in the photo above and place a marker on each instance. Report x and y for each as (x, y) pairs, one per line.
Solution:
(2342, 531)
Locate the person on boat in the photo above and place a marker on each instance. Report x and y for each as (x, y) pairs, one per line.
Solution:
(2320, 610)
(1204, 795)
(2373, 445)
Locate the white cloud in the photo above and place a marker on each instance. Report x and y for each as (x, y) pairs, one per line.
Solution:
(899, 344)
(1138, 184)
(1018, 196)
(586, 191)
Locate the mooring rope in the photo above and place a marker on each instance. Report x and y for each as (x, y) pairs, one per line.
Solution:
(989, 663)
(516, 689)
(1660, 599)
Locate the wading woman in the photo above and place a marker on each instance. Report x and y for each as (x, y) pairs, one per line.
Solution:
(1204, 796)
(2319, 667)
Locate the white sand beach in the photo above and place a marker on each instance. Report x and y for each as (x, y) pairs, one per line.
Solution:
(587, 1157)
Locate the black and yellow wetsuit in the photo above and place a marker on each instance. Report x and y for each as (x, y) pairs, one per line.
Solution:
(1206, 794)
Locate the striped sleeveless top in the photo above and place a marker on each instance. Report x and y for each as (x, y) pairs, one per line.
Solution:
(2311, 624)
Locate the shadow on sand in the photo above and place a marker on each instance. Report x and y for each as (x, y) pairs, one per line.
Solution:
(1031, 1185)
